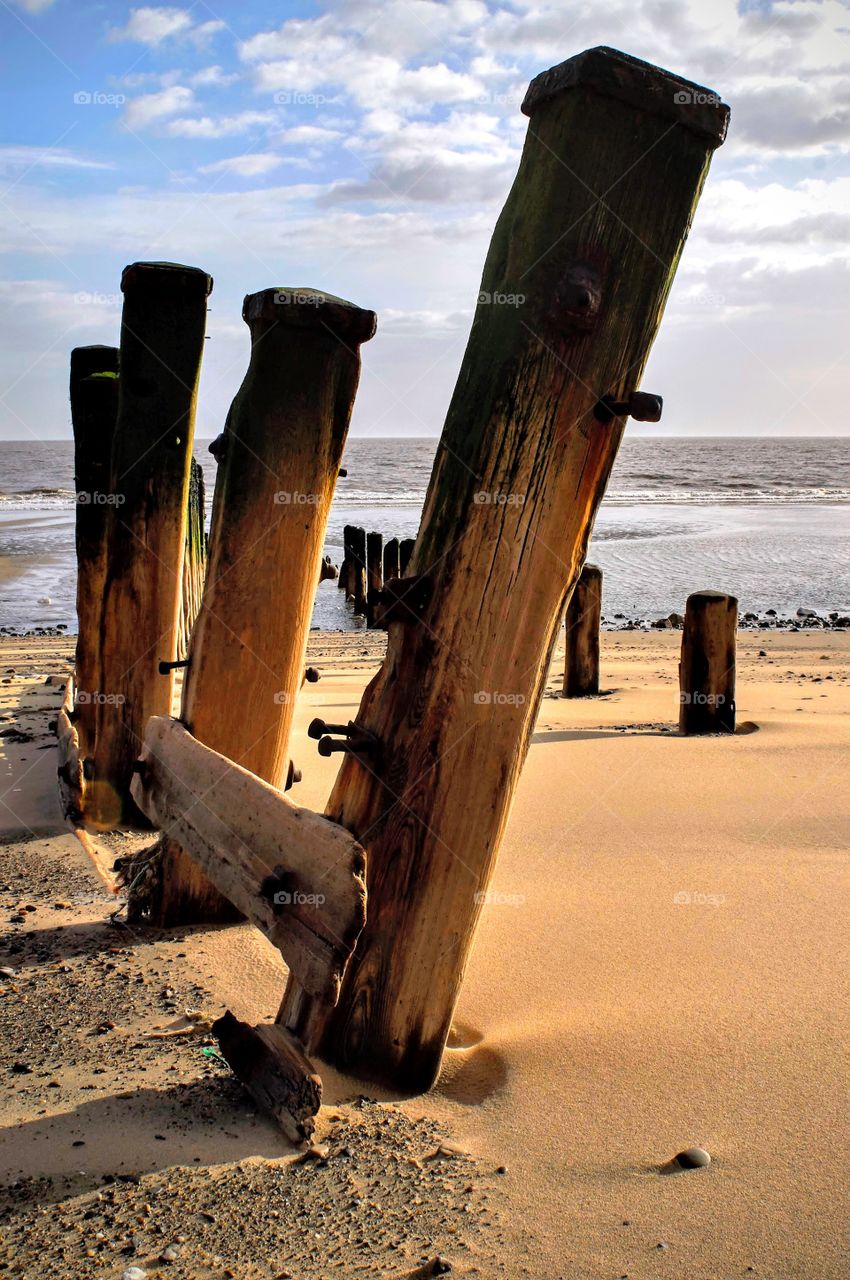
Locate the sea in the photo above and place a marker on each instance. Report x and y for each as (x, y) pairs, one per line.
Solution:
(765, 519)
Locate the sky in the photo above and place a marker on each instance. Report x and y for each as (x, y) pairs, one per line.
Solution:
(365, 147)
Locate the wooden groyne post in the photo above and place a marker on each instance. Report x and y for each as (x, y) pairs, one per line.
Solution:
(278, 467)
(374, 572)
(194, 557)
(347, 556)
(707, 664)
(405, 552)
(582, 622)
(357, 571)
(391, 559)
(571, 298)
(94, 411)
(162, 339)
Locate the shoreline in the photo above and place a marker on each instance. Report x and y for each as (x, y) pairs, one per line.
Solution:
(769, 620)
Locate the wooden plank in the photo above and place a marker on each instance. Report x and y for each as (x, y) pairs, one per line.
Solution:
(571, 298)
(274, 1069)
(296, 875)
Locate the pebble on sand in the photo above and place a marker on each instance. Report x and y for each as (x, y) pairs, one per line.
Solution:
(693, 1158)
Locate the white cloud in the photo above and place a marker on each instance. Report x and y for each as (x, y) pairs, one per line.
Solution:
(151, 26)
(249, 165)
(212, 77)
(219, 127)
(153, 107)
(310, 135)
(12, 158)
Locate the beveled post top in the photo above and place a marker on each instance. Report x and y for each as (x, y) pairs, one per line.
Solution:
(640, 84)
(708, 596)
(94, 359)
(305, 308)
(163, 274)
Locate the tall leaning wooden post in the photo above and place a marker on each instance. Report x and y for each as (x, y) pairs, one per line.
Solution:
(94, 409)
(571, 298)
(278, 467)
(582, 622)
(707, 664)
(162, 340)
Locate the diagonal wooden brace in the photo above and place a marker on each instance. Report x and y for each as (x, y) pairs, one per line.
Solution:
(296, 875)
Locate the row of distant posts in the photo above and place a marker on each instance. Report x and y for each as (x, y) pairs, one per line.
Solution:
(367, 564)
(706, 666)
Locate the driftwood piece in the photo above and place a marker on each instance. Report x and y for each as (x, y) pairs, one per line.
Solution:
(707, 664)
(70, 769)
(162, 340)
(571, 298)
(94, 410)
(296, 875)
(582, 622)
(194, 557)
(278, 467)
(274, 1069)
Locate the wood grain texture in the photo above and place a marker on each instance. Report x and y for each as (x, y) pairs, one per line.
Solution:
(162, 339)
(293, 873)
(274, 1069)
(194, 557)
(94, 412)
(572, 295)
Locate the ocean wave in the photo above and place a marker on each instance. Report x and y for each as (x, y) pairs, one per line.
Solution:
(735, 495)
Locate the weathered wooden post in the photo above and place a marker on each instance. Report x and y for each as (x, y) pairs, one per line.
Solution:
(405, 551)
(162, 339)
(584, 614)
(374, 572)
(194, 557)
(707, 665)
(277, 473)
(571, 298)
(94, 409)
(347, 553)
(357, 570)
(391, 561)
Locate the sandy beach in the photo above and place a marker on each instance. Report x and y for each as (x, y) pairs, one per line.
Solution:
(660, 965)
